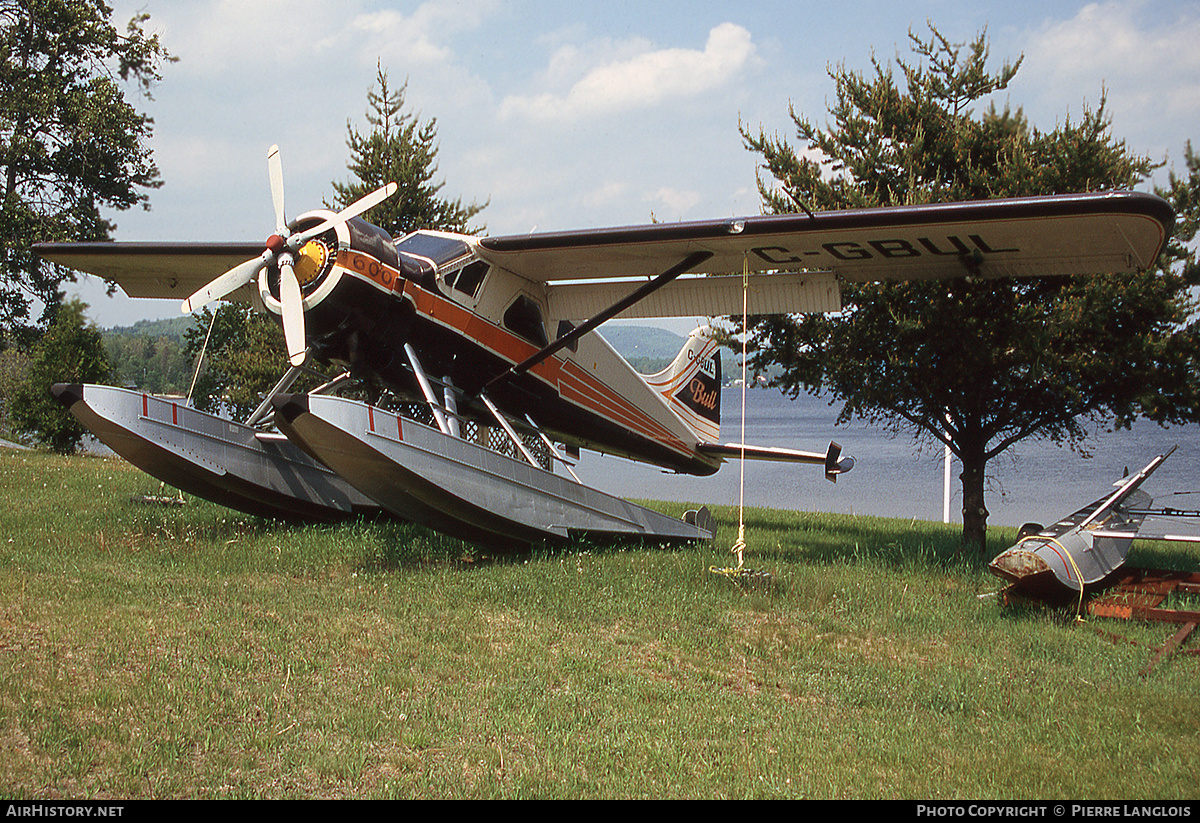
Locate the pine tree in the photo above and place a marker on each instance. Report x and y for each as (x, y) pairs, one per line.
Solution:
(979, 366)
(401, 149)
(245, 353)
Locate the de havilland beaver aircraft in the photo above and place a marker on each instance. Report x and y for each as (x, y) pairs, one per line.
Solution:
(498, 334)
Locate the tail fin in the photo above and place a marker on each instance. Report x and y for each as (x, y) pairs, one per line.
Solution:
(691, 385)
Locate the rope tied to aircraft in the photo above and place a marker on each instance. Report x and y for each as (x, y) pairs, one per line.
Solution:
(739, 573)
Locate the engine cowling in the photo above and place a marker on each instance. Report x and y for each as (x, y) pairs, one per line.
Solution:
(315, 261)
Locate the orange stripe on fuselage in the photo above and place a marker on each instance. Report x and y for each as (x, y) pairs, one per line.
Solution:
(572, 383)
(366, 267)
(584, 390)
(453, 316)
(569, 380)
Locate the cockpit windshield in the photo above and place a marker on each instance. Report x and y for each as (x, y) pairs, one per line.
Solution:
(442, 249)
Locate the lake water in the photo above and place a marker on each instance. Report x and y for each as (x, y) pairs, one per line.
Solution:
(1034, 481)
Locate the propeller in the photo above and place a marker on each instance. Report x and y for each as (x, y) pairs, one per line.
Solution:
(281, 248)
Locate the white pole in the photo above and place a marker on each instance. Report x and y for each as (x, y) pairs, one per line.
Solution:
(946, 475)
(946, 489)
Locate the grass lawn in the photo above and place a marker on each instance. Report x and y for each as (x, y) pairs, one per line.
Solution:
(193, 652)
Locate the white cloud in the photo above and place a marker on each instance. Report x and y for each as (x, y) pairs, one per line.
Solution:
(671, 202)
(1142, 56)
(1106, 38)
(605, 194)
(214, 39)
(419, 38)
(640, 81)
(406, 34)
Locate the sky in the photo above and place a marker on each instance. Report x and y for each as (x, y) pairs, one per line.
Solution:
(566, 116)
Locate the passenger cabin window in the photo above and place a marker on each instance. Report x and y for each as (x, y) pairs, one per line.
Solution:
(524, 317)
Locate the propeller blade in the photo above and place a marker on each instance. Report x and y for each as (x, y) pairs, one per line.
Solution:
(275, 168)
(230, 281)
(293, 311)
(353, 210)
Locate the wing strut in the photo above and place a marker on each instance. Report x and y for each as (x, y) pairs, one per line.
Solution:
(688, 263)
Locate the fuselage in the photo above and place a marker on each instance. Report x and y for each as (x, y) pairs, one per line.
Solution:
(469, 322)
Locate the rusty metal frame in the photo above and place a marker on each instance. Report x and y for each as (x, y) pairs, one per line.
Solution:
(1138, 594)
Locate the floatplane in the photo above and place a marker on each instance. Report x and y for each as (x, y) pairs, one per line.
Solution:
(498, 335)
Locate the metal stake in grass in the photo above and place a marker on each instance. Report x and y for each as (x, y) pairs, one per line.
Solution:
(740, 574)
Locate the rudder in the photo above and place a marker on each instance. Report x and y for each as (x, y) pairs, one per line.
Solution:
(691, 385)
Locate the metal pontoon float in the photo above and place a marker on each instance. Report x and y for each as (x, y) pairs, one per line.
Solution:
(454, 485)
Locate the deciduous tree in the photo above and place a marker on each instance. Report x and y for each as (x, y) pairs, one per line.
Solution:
(150, 356)
(979, 366)
(71, 145)
(244, 355)
(71, 351)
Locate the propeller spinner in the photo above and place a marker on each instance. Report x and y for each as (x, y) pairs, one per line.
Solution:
(281, 250)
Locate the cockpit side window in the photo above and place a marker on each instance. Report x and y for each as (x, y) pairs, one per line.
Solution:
(470, 277)
(524, 317)
(467, 279)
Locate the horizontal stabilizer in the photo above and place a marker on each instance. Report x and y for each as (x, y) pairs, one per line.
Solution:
(832, 460)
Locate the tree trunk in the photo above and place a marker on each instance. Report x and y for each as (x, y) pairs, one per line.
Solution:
(975, 513)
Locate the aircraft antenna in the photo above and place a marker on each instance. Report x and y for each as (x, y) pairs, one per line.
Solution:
(739, 573)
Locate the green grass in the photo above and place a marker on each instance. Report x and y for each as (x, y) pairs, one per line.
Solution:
(189, 651)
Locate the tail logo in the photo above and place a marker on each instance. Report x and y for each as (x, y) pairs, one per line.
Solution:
(702, 397)
(702, 393)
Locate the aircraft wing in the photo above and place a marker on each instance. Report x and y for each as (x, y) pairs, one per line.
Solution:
(1057, 235)
(1068, 234)
(1082, 548)
(154, 269)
